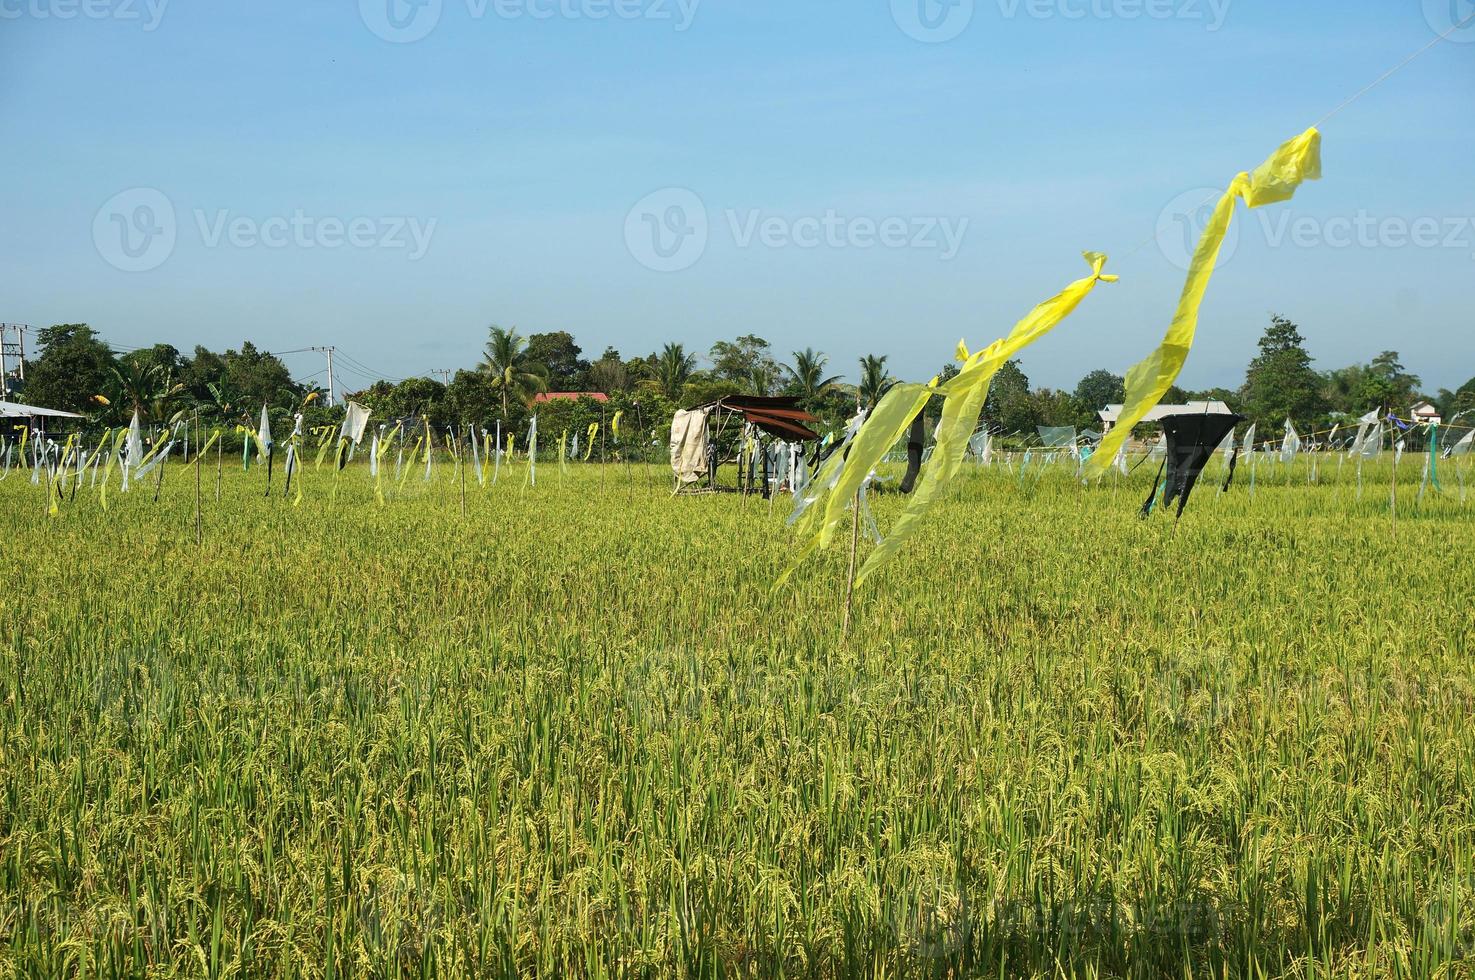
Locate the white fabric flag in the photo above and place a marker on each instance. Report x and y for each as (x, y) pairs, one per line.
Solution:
(355, 420)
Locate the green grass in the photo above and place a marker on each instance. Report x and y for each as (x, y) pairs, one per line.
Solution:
(576, 733)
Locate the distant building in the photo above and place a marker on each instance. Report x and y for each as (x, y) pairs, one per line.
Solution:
(561, 396)
(1111, 413)
(1425, 414)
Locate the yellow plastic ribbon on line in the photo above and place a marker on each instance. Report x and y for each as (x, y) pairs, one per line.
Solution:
(102, 493)
(892, 417)
(965, 395)
(593, 434)
(614, 425)
(1273, 181)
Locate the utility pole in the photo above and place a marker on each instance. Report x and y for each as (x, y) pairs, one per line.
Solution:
(445, 376)
(332, 400)
(9, 350)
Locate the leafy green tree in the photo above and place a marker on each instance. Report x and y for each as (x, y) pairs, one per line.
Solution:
(513, 373)
(1386, 383)
(1099, 389)
(611, 374)
(1461, 401)
(1093, 393)
(747, 361)
(163, 358)
(703, 389)
(557, 352)
(874, 380)
(199, 372)
(1053, 407)
(1009, 407)
(472, 397)
(407, 401)
(1342, 389)
(1280, 383)
(259, 377)
(74, 366)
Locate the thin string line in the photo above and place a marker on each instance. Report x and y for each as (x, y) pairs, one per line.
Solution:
(1347, 102)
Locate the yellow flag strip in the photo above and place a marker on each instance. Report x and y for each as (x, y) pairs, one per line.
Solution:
(844, 474)
(965, 395)
(1273, 181)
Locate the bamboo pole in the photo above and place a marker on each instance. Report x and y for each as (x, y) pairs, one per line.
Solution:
(850, 575)
(461, 465)
(199, 529)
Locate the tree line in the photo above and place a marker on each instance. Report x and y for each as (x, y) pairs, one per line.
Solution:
(76, 370)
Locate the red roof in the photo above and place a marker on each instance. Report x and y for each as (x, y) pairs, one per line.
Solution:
(549, 396)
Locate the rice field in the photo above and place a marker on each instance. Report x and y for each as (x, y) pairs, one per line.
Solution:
(574, 732)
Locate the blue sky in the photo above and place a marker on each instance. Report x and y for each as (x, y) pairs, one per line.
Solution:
(869, 184)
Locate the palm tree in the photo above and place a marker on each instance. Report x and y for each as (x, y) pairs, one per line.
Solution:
(807, 376)
(674, 367)
(507, 365)
(144, 389)
(873, 380)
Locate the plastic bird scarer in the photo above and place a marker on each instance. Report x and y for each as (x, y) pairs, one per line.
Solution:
(1192, 440)
(820, 512)
(1273, 181)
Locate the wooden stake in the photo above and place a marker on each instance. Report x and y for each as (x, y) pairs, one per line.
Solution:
(1393, 495)
(199, 530)
(159, 483)
(850, 576)
(461, 465)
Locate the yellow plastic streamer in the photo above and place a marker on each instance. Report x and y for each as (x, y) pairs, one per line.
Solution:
(209, 444)
(614, 425)
(965, 395)
(893, 415)
(1273, 181)
(54, 487)
(384, 445)
(593, 434)
(102, 493)
(414, 453)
